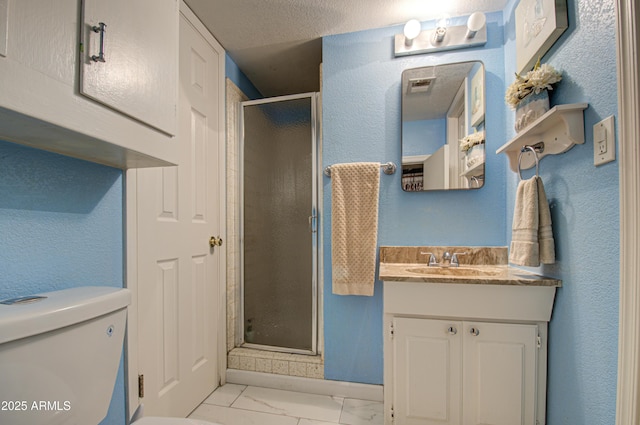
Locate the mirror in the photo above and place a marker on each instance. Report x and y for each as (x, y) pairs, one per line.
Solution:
(443, 135)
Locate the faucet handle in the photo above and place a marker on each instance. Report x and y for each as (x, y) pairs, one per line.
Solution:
(432, 258)
(454, 258)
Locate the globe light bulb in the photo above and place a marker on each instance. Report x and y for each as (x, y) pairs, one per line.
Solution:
(411, 30)
(475, 23)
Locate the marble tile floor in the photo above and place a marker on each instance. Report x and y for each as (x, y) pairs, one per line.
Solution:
(234, 404)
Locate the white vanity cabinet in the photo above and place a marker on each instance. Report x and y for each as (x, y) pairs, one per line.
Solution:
(445, 363)
(450, 372)
(49, 45)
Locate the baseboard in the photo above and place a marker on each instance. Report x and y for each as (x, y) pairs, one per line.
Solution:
(306, 385)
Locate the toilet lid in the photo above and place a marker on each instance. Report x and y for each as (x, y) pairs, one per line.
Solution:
(151, 420)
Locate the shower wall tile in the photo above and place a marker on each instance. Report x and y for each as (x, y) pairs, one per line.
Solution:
(297, 369)
(276, 362)
(264, 365)
(248, 363)
(233, 362)
(315, 370)
(281, 367)
(233, 97)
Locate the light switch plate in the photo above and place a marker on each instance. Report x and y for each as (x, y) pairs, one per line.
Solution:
(604, 141)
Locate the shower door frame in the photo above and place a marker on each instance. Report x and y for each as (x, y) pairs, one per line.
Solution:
(313, 224)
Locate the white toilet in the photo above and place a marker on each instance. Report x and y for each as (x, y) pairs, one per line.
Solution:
(59, 357)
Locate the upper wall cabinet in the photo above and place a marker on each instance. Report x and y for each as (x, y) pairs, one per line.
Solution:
(128, 62)
(41, 104)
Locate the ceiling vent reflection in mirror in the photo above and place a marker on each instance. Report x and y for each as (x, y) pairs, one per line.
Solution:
(419, 85)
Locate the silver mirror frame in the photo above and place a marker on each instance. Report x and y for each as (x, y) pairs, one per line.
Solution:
(443, 116)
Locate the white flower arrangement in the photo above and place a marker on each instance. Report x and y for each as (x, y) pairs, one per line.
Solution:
(534, 81)
(471, 140)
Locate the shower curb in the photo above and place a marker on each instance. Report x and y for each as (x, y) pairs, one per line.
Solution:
(306, 385)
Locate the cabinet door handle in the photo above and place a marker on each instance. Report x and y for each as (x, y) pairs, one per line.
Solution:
(100, 29)
(452, 330)
(474, 331)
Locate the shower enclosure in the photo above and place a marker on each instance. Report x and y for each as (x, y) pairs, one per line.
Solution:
(279, 224)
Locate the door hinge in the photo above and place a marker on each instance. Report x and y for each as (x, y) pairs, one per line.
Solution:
(141, 386)
(391, 331)
(539, 342)
(392, 415)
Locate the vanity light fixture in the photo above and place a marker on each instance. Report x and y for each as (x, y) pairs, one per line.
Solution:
(441, 29)
(443, 37)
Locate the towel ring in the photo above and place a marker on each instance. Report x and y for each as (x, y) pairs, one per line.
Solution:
(535, 155)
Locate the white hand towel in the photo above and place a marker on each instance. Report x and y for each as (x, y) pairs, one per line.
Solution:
(547, 250)
(532, 237)
(354, 227)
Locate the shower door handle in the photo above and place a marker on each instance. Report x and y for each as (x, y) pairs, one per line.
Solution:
(312, 227)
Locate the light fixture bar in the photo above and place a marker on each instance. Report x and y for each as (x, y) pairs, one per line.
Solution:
(439, 40)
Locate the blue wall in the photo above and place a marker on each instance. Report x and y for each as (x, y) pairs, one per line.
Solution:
(585, 212)
(423, 137)
(60, 227)
(361, 107)
(238, 77)
(361, 122)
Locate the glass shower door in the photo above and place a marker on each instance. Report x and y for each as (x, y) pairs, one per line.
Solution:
(279, 234)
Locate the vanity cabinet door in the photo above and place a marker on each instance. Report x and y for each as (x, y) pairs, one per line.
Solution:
(130, 58)
(427, 371)
(500, 370)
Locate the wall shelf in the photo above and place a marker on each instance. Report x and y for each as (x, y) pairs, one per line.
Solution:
(560, 128)
(475, 171)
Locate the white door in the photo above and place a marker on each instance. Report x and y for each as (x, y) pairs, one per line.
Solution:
(179, 209)
(427, 371)
(129, 60)
(436, 170)
(500, 373)
(456, 130)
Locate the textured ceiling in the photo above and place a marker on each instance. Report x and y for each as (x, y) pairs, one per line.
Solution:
(277, 43)
(435, 102)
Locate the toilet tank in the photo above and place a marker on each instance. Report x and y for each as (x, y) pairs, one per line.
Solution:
(59, 355)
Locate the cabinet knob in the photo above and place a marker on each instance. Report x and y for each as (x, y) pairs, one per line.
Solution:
(474, 331)
(452, 330)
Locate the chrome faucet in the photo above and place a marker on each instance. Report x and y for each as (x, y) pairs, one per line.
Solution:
(454, 262)
(448, 259)
(432, 258)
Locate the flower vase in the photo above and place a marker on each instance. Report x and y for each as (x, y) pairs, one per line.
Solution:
(474, 156)
(531, 108)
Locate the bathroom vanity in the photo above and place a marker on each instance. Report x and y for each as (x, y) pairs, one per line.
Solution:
(463, 344)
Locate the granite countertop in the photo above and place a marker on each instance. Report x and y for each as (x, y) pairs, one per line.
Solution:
(479, 266)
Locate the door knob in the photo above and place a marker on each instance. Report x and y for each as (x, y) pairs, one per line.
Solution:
(474, 331)
(452, 330)
(215, 241)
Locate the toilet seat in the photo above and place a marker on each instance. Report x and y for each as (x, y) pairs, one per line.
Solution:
(151, 420)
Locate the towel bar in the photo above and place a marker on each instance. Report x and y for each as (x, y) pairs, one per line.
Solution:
(388, 168)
